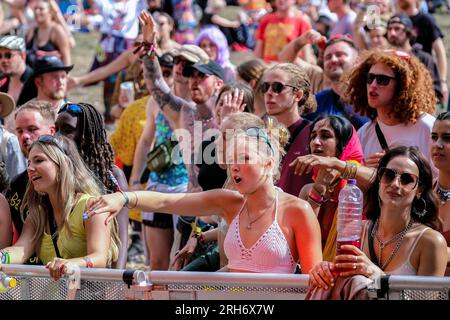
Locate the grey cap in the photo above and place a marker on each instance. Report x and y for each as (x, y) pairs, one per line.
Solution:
(13, 43)
(191, 53)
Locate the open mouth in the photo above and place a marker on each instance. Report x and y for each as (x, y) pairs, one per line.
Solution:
(35, 178)
(373, 94)
(237, 179)
(317, 151)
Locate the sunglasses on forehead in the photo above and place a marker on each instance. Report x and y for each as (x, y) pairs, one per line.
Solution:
(259, 133)
(49, 139)
(382, 79)
(72, 108)
(167, 73)
(407, 180)
(277, 87)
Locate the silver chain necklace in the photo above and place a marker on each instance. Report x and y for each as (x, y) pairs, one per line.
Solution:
(381, 245)
(249, 225)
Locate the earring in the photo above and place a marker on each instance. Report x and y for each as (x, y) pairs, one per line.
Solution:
(420, 210)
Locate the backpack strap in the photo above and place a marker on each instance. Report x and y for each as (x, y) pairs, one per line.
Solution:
(381, 138)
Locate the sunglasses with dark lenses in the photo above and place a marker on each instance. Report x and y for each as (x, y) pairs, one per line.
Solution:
(49, 139)
(71, 108)
(407, 180)
(277, 87)
(259, 133)
(6, 55)
(382, 79)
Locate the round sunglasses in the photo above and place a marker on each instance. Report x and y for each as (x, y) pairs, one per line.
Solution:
(407, 180)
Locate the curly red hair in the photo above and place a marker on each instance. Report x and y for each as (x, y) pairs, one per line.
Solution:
(414, 92)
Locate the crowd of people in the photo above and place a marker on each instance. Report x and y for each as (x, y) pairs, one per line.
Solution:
(211, 166)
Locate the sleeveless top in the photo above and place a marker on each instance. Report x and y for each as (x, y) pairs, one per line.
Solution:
(48, 47)
(69, 245)
(176, 174)
(269, 254)
(406, 269)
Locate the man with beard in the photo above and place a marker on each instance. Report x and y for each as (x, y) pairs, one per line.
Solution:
(429, 36)
(15, 72)
(340, 55)
(401, 36)
(48, 83)
(32, 120)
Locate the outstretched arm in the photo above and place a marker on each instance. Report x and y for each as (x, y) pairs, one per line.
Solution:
(187, 204)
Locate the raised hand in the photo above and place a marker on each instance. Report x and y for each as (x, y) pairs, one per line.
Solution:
(232, 103)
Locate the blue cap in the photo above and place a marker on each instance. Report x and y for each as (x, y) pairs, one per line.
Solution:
(85, 216)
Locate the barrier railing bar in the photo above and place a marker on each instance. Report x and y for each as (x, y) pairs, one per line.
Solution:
(85, 273)
(228, 279)
(418, 283)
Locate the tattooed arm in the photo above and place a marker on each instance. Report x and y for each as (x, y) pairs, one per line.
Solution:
(170, 104)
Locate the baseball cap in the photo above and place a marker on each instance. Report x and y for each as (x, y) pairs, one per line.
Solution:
(210, 68)
(49, 64)
(7, 104)
(402, 19)
(13, 43)
(191, 53)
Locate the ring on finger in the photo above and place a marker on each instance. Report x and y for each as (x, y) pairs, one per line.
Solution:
(356, 258)
(354, 266)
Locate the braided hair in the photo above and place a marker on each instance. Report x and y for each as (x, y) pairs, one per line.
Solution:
(94, 147)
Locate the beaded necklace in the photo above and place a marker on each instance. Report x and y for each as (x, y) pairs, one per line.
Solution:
(444, 194)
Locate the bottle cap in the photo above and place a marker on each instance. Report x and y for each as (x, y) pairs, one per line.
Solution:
(85, 216)
(351, 181)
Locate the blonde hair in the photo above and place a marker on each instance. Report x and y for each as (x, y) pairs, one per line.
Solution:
(74, 179)
(300, 80)
(277, 134)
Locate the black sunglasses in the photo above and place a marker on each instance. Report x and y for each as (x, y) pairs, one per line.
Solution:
(407, 180)
(6, 55)
(71, 108)
(277, 87)
(382, 79)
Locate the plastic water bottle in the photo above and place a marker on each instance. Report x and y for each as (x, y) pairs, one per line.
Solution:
(349, 223)
(6, 282)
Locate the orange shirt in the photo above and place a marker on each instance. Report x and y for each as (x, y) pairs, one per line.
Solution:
(276, 32)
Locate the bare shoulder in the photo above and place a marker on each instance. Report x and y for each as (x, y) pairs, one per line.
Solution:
(431, 240)
(295, 208)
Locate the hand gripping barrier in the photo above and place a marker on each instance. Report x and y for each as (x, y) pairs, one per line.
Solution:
(34, 283)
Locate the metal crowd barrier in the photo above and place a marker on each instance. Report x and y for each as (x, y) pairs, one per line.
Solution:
(34, 283)
(410, 288)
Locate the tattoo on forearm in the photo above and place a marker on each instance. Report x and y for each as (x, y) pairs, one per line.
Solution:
(158, 87)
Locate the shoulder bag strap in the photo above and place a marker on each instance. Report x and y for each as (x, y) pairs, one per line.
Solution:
(373, 256)
(53, 230)
(381, 138)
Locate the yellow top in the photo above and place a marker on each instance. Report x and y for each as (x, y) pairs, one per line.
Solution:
(69, 245)
(128, 131)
